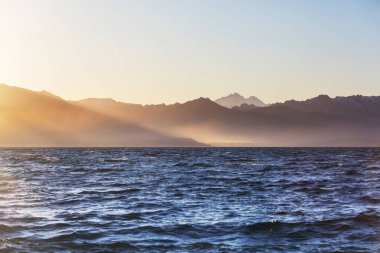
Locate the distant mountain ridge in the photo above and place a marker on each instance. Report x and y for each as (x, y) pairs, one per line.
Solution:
(324, 103)
(236, 100)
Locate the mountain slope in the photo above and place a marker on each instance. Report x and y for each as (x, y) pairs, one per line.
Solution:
(30, 118)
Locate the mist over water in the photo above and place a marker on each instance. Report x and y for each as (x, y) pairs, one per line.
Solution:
(190, 200)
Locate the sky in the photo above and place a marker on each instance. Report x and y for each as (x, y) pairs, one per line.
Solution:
(166, 51)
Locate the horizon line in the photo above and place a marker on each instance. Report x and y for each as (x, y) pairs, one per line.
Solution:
(173, 103)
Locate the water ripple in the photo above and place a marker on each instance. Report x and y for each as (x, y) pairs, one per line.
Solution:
(190, 200)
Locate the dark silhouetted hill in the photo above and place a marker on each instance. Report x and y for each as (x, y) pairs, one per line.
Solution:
(321, 121)
(30, 118)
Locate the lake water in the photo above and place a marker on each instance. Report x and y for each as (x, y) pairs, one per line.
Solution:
(190, 200)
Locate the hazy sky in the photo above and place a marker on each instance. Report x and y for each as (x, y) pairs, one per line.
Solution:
(175, 50)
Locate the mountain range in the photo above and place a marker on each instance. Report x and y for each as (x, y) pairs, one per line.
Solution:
(30, 118)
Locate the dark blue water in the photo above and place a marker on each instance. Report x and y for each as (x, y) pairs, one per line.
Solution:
(190, 200)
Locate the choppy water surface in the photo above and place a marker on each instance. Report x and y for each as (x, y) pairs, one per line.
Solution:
(190, 200)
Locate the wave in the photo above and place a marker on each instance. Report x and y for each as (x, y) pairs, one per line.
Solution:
(189, 200)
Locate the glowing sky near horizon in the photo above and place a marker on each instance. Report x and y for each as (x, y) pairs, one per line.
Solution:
(167, 51)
